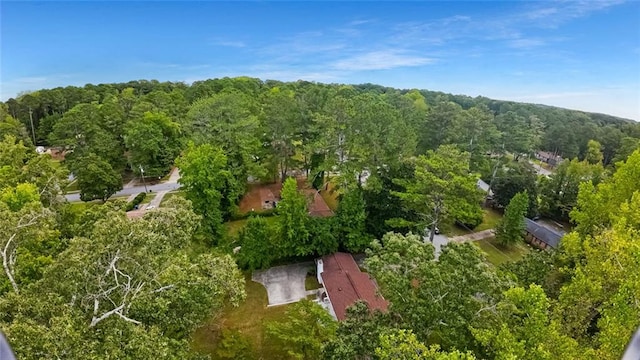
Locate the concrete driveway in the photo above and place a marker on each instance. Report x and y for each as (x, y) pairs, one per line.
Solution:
(439, 241)
(284, 284)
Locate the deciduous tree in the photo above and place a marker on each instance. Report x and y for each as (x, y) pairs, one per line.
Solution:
(294, 220)
(304, 330)
(96, 178)
(443, 189)
(511, 228)
(204, 176)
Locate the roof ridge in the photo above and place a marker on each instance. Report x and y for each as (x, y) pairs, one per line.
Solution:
(353, 285)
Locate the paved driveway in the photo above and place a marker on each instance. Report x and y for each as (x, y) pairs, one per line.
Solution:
(284, 284)
(438, 242)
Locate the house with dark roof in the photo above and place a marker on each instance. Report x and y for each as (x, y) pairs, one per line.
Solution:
(549, 158)
(541, 236)
(344, 284)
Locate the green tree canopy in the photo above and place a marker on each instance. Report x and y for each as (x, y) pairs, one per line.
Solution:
(204, 177)
(443, 189)
(511, 228)
(304, 330)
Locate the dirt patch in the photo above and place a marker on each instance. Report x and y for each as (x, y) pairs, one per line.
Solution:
(260, 197)
(257, 195)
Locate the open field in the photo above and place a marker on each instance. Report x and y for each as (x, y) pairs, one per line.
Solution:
(497, 254)
(248, 319)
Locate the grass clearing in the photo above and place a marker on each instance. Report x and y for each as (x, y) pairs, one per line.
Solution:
(490, 219)
(498, 254)
(234, 227)
(148, 198)
(169, 195)
(73, 186)
(311, 283)
(249, 319)
(330, 196)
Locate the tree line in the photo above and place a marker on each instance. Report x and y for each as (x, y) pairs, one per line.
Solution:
(402, 161)
(299, 124)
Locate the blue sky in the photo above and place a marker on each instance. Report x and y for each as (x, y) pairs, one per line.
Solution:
(581, 55)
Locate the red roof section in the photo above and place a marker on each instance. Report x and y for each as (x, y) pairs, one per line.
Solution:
(345, 284)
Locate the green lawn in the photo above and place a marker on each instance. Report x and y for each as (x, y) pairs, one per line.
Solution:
(311, 283)
(330, 196)
(249, 319)
(80, 206)
(149, 197)
(169, 195)
(233, 227)
(73, 186)
(498, 254)
(490, 219)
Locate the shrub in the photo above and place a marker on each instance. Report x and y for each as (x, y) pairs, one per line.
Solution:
(136, 201)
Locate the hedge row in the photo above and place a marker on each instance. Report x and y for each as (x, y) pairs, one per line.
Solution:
(136, 201)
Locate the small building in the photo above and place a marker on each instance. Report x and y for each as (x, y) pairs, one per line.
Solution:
(541, 236)
(549, 158)
(344, 284)
(267, 198)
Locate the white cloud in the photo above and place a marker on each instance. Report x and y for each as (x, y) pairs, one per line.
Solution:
(227, 43)
(524, 43)
(381, 60)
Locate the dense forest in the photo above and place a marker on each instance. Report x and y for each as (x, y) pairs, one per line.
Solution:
(89, 283)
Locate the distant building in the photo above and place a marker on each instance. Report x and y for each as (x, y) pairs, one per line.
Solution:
(541, 236)
(344, 284)
(549, 158)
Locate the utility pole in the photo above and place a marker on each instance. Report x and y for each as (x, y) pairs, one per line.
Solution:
(143, 182)
(33, 131)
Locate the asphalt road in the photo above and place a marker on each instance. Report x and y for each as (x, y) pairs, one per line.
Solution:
(133, 190)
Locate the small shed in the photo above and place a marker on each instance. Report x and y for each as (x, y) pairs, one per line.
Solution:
(541, 236)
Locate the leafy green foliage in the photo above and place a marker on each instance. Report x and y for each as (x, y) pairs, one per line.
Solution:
(258, 248)
(234, 345)
(559, 193)
(536, 267)
(350, 221)
(436, 299)
(130, 290)
(594, 152)
(96, 178)
(306, 327)
(511, 228)
(443, 189)
(521, 328)
(153, 141)
(136, 201)
(204, 176)
(294, 221)
(403, 344)
(357, 336)
(515, 177)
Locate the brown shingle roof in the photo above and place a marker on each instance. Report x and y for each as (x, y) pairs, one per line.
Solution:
(345, 284)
